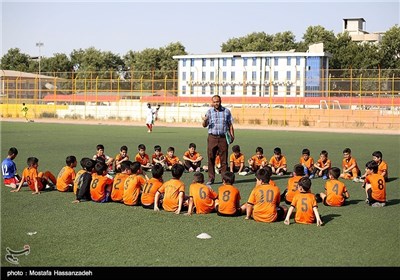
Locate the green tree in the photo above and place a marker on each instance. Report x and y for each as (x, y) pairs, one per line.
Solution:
(318, 34)
(15, 60)
(390, 48)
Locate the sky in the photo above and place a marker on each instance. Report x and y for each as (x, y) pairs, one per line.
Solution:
(200, 26)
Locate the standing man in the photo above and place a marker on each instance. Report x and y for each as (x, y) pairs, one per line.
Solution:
(150, 117)
(219, 121)
(25, 111)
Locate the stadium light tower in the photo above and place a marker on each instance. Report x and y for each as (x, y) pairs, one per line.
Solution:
(39, 45)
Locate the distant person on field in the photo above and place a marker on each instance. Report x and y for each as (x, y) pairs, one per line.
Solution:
(228, 204)
(120, 158)
(307, 162)
(305, 204)
(25, 111)
(292, 184)
(192, 159)
(375, 185)
(150, 113)
(151, 187)
(83, 180)
(66, 176)
(171, 159)
(9, 169)
(335, 191)
(37, 181)
(278, 162)
(174, 199)
(258, 161)
(100, 154)
(263, 203)
(350, 168)
(322, 166)
(201, 197)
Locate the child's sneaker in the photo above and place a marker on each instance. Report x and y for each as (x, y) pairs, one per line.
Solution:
(311, 176)
(191, 169)
(378, 204)
(198, 169)
(325, 177)
(356, 179)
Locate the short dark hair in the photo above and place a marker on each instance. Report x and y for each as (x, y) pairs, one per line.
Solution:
(236, 149)
(157, 171)
(141, 147)
(70, 159)
(377, 154)
(305, 183)
(306, 151)
(198, 177)
(12, 151)
(372, 165)
(177, 170)
(100, 147)
(263, 175)
(277, 151)
(157, 148)
(228, 177)
(298, 169)
(335, 172)
(192, 145)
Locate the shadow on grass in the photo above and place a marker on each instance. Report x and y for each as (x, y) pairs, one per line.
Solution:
(392, 202)
(327, 218)
(392, 179)
(353, 201)
(248, 180)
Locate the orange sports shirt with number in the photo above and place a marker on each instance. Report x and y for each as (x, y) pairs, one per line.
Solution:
(149, 191)
(265, 199)
(237, 161)
(203, 197)
(307, 163)
(171, 190)
(334, 190)
(65, 177)
(117, 191)
(98, 186)
(30, 174)
(304, 204)
(378, 186)
(228, 199)
(132, 188)
(292, 188)
(76, 181)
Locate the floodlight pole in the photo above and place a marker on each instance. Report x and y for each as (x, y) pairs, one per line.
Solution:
(40, 44)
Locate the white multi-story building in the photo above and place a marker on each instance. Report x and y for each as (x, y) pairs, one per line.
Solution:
(258, 74)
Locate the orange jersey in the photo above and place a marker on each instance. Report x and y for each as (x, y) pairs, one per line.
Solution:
(292, 188)
(304, 204)
(271, 182)
(149, 191)
(98, 186)
(382, 168)
(31, 175)
(326, 163)
(143, 160)
(171, 190)
(132, 188)
(203, 197)
(265, 199)
(193, 156)
(276, 163)
(228, 199)
(117, 191)
(118, 157)
(309, 163)
(237, 161)
(378, 186)
(65, 177)
(346, 163)
(335, 190)
(158, 157)
(258, 161)
(171, 160)
(76, 181)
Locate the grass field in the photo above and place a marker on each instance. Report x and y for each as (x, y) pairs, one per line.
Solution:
(91, 234)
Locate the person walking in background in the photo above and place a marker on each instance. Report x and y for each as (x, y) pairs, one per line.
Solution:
(25, 111)
(219, 122)
(150, 114)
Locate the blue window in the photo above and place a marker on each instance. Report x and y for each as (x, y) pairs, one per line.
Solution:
(267, 75)
(212, 62)
(254, 61)
(212, 90)
(224, 90)
(192, 90)
(288, 75)
(191, 75)
(254, 90)
(232, 76)
(289, 61)
(254, 75)
(183, 76)
(297, 61)
(276, 61)
(192, 62)
(233, 61)
(267, 61)
(203, 76)
(287, 90)
(224, 76)
(298, 75)
(212, 76)
(224, 61)
(204, 62)
(276, 75)
(244, 61)
(203, 90)
(232, 90)
(183, 89)
(275, 90)
(184, 62)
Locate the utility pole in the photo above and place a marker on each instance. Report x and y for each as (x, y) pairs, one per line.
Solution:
(39, 45)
